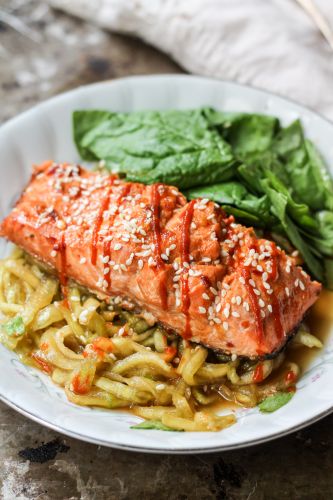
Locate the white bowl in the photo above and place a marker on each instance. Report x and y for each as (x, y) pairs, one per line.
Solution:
(44, 132)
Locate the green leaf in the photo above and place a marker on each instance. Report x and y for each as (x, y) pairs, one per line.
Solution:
(14, 327)
(174, 147)
(153, 424)
(279, 207)
(247, 133)
(274, 402)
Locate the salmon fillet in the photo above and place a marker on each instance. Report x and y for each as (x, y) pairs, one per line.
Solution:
(195, 270)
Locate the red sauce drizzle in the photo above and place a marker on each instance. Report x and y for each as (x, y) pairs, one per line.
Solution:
(63, 267)
(258, 375)
(185, 257)
(290, 377)
(98, 223)
(157, 243)
(254, 305)
(274, 300)
(107, 244)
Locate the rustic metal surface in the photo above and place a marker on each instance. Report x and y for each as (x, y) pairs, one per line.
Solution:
(42, 53)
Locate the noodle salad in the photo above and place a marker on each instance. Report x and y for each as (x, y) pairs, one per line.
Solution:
(106, 355)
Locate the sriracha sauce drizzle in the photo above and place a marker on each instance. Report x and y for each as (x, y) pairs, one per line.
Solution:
(185, 258)
(155, 199)
(107, 242)
(98, 222)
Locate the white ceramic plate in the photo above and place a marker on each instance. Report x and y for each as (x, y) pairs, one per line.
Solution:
(44, 133)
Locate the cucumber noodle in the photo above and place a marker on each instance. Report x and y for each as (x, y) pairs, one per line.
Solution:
(105, 356)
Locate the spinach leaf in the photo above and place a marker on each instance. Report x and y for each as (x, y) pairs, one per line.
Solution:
(236, 200)
(174, 147)
(309, 180)
(14, 327)
(247, 133)
(274, 402)
(153, 424)
(279, 207)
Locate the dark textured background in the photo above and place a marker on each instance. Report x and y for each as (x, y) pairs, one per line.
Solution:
(42, 53)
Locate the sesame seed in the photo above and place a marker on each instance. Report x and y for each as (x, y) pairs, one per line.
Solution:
(260, 269)
(214, 292)
(256, 291)
(252, 282)
(238, 300)
(217, 320)
(235, 314)
(301, 285)
(246, 306)
(225, 325)
(53, 253)
(287, 291)
(173, 246)
(262, 314)
(206, 259)
(226, 312)
(117, 246)
(261, 303)
(205, 296)
(242, 280)
(164, 256)
(105, 259)
(106, 270)
(202, 310)
(265, 276)
(270, 308)
(218, 307)
(160, 387)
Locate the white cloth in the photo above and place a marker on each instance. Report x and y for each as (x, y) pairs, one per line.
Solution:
(271, 44)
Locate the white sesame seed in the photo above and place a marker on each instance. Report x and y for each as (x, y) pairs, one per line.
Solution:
(160, 387)
(261, 303)
(242, 280)
(186, 264)
(301, 285)
(252, 282)
(214, 292)
(206, 259)
(205, 296)
(172, 247)
(217, 320)
(106, 270)
(105, 259)
(218, 307)
(226, 312)
(260, 269)
(225, 325)
(262, 314)
(164, 256)
(238, 300)
(53, 253)
(287, 291)
(270, 308)
(265, 276)
(118, 246)
(256, 291)
(246, 306)
(202, 310)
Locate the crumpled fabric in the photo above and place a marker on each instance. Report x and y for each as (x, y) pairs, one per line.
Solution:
(270, 44)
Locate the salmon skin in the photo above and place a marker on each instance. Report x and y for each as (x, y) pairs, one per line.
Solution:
(187, 265)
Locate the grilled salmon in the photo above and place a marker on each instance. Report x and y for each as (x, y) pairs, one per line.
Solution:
(187, 264)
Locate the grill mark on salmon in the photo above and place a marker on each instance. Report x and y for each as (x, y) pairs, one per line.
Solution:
(193, 269)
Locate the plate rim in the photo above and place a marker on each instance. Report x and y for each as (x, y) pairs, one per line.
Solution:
(142, 449)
